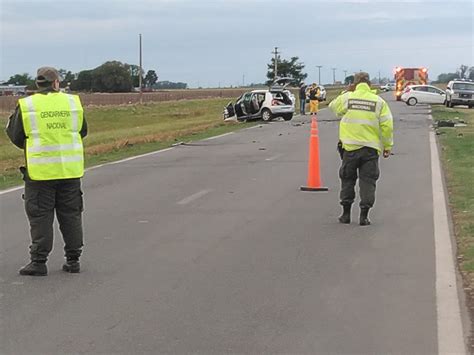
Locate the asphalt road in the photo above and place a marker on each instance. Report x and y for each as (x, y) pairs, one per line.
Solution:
(211, 248)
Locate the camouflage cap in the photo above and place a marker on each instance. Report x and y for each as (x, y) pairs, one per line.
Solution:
(361, 77)
(47, 75)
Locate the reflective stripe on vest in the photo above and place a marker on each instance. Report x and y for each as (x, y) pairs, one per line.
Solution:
(53, 146)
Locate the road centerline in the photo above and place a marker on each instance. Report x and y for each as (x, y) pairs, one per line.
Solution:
(273, 157)
(193, 197)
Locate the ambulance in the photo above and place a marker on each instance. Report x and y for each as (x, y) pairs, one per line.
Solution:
(408, 76)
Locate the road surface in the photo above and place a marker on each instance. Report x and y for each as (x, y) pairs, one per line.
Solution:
(212, 248)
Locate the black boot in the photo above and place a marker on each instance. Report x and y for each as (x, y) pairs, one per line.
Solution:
(73, 266)
(346, 214)
(364, 217)
(34, 269)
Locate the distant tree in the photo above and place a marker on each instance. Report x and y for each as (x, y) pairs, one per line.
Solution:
(112, 76)
(151, 78)
(21, 79)
(170, 85)
(471, 73)
(463, 71)
(286, 68)
(83, 81)
(349, 79)
(446, 77)
(67, 77)
(135, 75)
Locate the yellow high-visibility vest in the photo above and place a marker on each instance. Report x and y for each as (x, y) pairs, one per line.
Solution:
(366, 120)
(53, 146)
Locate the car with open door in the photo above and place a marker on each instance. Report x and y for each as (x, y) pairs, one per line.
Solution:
(263, 104)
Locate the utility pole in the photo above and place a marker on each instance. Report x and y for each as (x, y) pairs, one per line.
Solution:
(140, 70)
(333, 75)
(243, 79)
(276, 63)
(319, 73)
(379, 77)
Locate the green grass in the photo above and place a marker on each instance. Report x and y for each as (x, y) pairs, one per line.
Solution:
(458, 161)
(117, 132)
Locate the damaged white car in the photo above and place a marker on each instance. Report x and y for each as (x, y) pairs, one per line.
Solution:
(264, 104)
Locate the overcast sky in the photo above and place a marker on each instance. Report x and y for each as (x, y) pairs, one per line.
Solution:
(226, 42)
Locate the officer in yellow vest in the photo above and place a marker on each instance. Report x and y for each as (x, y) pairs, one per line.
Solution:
(314, 93)
(49, 127)
(365, 131)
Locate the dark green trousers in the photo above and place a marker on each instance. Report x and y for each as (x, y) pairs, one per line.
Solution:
(42, 200)
(364, 165)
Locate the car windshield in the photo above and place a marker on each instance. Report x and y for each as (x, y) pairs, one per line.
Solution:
(464, 86)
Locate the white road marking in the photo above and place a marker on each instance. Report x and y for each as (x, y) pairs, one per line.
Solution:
(253, 127)
(193, 197)
(274, 157)
(11, 190)
(119, 161)
(130, 158)
(222, 135)
(450, 332)
(100, 166)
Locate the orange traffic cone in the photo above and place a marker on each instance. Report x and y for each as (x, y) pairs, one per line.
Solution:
(314, 172)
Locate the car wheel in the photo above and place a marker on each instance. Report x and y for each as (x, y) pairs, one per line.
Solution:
(412, 101)
(266, 115)
(288, 116)
(450, 104)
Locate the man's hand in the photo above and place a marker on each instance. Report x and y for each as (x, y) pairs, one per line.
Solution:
(386, 153)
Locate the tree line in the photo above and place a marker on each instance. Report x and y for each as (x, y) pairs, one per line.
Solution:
(463, 72)
(112, 76)
(115, 76)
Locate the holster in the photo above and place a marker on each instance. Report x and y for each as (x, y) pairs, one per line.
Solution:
(340, 149)
(24, 172)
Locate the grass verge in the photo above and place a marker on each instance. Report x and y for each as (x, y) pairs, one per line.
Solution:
(124, 131)
(457, 145)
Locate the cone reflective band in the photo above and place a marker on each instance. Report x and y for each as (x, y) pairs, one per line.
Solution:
(314, 171)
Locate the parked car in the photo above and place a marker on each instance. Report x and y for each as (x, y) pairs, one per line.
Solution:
(423, 94)
(264, 104)
(460, 92)
(388, 87)
(322, 93)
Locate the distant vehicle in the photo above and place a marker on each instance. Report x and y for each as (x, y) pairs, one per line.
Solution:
(388, 87)
(322, 93)
(460, 92)
(409, 76)
(423, 94)
(264, 104)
